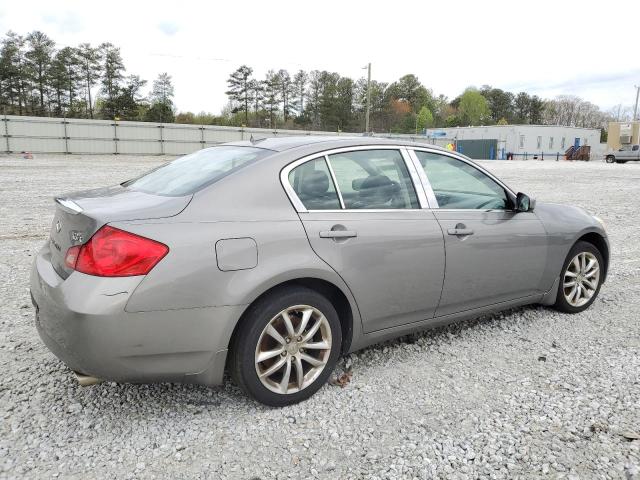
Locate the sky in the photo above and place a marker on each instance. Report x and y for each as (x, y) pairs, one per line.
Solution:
(543, 47)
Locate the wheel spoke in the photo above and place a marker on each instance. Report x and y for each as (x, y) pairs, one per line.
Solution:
(299, 372)
(583, 261)
(322, 345)
(569, 284)
(316, 326)
(262, 356)
(288, 325)
(593, 272)
(274, 368)
(273, 333)
(576, 263)
(589, 283)
(590, 265)
(569, 273)
(572, 295)
(309, 359)
(306, 315)
(286, 376)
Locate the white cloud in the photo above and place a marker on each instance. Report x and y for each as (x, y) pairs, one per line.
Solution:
(449, 45)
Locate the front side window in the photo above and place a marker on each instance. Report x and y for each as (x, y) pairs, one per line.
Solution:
(192, 172)
(458, 185)
(374, 179)
(313, 185)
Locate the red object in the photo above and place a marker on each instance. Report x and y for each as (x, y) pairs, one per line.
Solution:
(112, 252)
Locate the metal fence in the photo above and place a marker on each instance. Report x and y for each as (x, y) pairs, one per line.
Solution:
(82, 136)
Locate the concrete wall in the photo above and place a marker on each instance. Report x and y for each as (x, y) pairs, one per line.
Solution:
(59, 135)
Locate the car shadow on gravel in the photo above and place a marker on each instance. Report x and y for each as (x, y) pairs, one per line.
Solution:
(131, 399)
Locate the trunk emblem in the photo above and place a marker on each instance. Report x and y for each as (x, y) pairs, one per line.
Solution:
(58, 226)
(77, 237)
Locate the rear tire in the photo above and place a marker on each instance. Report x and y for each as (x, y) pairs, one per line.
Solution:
(581, 278)
(610, 159)
(297, 334)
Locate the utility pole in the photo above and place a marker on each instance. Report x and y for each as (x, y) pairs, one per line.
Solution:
(366, 120)
(635, 109)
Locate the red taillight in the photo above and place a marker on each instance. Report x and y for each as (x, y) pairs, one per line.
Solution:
(112, 252)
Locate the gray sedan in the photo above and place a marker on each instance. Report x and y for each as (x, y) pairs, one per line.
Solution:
(271, 258)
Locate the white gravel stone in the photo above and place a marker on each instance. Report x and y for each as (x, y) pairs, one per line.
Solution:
(472, 400)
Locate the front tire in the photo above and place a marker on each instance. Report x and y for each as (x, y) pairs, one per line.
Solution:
(581, 278)
(286, 347)
(610, 159)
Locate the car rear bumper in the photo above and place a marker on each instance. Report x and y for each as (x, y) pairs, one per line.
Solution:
(82, 320)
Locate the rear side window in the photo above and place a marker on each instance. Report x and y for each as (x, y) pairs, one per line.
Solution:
(192, 172)
(312, 183)
(374, 179)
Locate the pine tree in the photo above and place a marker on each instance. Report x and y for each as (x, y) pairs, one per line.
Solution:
(91, 69)
(299, 86)
(68, 58)
(112, 75)
(39, 57)
(238, 91)
(271, 85)
(285, 84)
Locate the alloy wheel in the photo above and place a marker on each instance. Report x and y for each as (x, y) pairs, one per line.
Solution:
(293, 349)
(581, 279)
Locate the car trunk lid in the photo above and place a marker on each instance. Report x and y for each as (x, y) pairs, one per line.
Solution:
(80, 214)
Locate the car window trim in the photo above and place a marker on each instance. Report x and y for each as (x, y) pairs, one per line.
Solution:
(299, 206)
(335, 181)
(429, 190)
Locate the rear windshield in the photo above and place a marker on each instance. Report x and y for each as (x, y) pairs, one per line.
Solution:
(192, 172)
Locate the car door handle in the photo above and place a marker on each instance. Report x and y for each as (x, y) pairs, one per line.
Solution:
(338, 234)
(460, 231)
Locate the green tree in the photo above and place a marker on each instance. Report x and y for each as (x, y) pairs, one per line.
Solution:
(91, 70)
(473, 108)
(286, 90)
(271, 88)
(39, 57)
(344, 103)
(299, 85)
(130, 99)
(409, 89)
(239, 83)
(69, 69)
(112, 76)
(500, 102)
(536, 109)
(521, 105)
(161, 98)
(424, 119)
(14, 72)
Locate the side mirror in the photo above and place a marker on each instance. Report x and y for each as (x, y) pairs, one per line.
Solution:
(524, 203)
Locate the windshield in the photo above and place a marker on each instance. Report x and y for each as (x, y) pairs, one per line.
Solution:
(192, 172)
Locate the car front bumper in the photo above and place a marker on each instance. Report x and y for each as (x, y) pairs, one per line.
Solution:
(82, 320)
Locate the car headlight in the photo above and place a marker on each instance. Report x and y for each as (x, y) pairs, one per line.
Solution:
(600, 221)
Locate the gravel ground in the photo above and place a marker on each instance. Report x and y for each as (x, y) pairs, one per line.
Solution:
(527, 393)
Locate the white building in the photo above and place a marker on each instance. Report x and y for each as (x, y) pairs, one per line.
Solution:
(525, 141)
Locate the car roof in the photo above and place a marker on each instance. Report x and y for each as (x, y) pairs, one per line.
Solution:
(280, 144)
